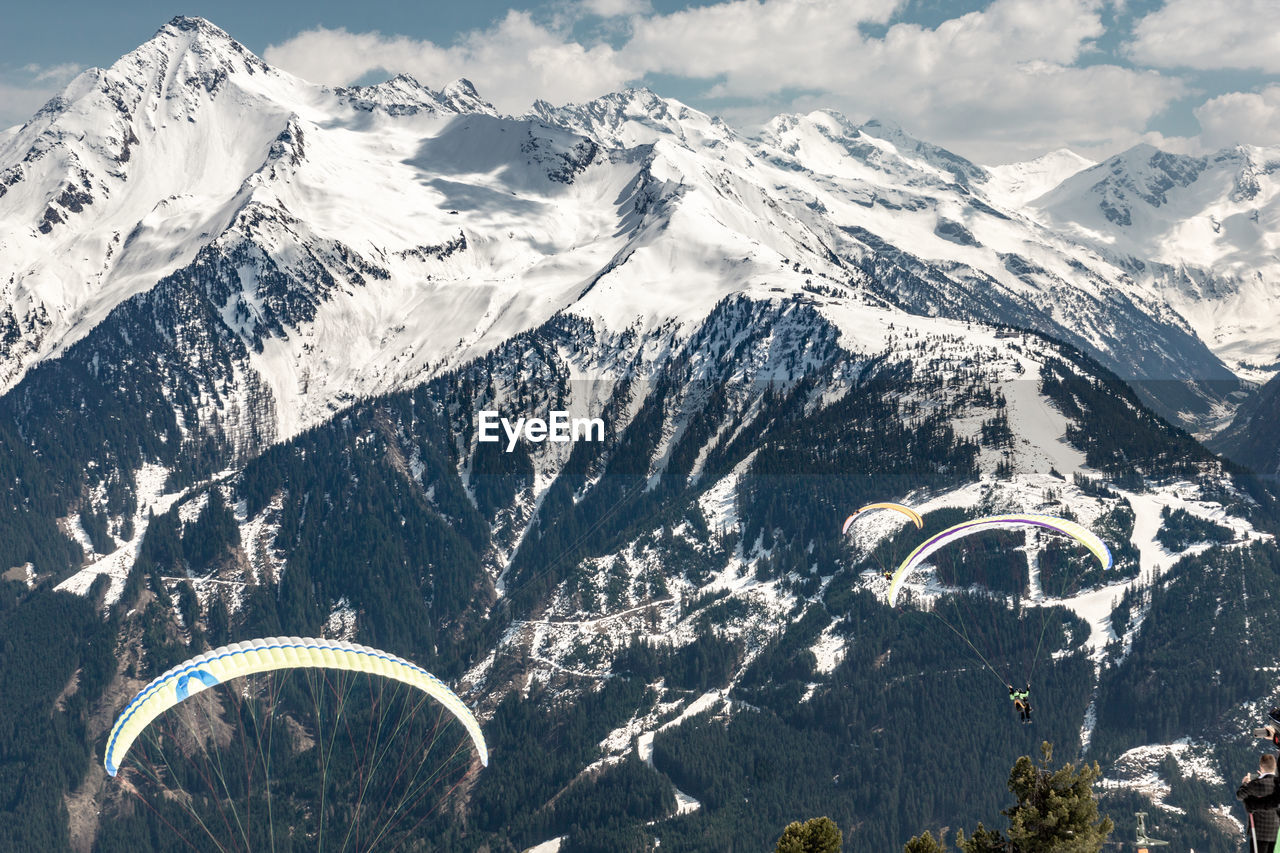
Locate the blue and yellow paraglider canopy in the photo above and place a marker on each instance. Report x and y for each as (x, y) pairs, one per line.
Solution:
(274, 653)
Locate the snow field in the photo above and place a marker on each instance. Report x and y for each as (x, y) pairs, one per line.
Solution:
(1137, 770)
(116, 565)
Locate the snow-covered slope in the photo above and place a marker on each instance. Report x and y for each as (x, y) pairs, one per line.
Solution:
(1016, 184)
(1200, 235)
(122, 178)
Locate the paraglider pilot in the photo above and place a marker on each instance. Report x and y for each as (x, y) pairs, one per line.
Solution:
(1021, 702)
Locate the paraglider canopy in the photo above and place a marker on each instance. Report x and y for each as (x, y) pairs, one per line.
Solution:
(905, 510)
(275, 653)
(978, 525)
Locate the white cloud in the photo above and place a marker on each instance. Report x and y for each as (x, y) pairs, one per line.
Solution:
(996, 84)
(512, 63)
(759, 46)
(59, 74)
(1252, 118)
(1203, 34)
(615, 8)
(778, 44)
(27, 90)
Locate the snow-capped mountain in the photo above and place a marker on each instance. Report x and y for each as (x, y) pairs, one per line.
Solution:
(1016, 184)
(248, 323)
(359, 239)
(1198, 233)
(192, 157)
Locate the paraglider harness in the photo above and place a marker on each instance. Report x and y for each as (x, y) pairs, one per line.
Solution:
(1021, 702)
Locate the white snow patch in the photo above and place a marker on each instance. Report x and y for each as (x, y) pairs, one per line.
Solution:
(719, 504)
(151, 498)
(1228, 814)
(644, 745)
(1039, 429)
(341, 624)
(1138, 770)
(829, 649)
(257, 536)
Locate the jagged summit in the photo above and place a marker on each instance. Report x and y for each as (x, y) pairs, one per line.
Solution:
(875, 151)
(1143, 191)
(635, 116)
(209, 52)
(633, 100)
(963, 170)
(403, 95)
(201, 54)
(196, 24)
(461, 96)
(1198, 229)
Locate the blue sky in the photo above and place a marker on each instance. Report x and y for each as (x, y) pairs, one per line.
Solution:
(995, 80)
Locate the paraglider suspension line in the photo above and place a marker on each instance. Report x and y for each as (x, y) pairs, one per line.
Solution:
(1044, 627)
(962, 636)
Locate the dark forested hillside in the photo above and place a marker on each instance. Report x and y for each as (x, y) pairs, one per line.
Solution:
(1253, 439)
(664, 634)
(887, 474)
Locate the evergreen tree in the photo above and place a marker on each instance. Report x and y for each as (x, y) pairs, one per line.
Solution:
(984, 841)
(925, 844)
(1056, 811)
(819, 835)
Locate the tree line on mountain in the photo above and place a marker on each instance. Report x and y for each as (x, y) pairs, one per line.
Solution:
(372, 512)
(349, 469)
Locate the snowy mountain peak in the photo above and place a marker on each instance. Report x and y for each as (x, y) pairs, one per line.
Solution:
(195, 24)
(403, 84)
(831, 122)
(403, 95)
(199, 47)
(1143, 185)
(886, 129)
(876, 152)
(187, 60)
(1016, 184)
(461, 96)
(940, 158)
(635, 117)
(462, 87)
(1144, 173)
(1199, 230)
